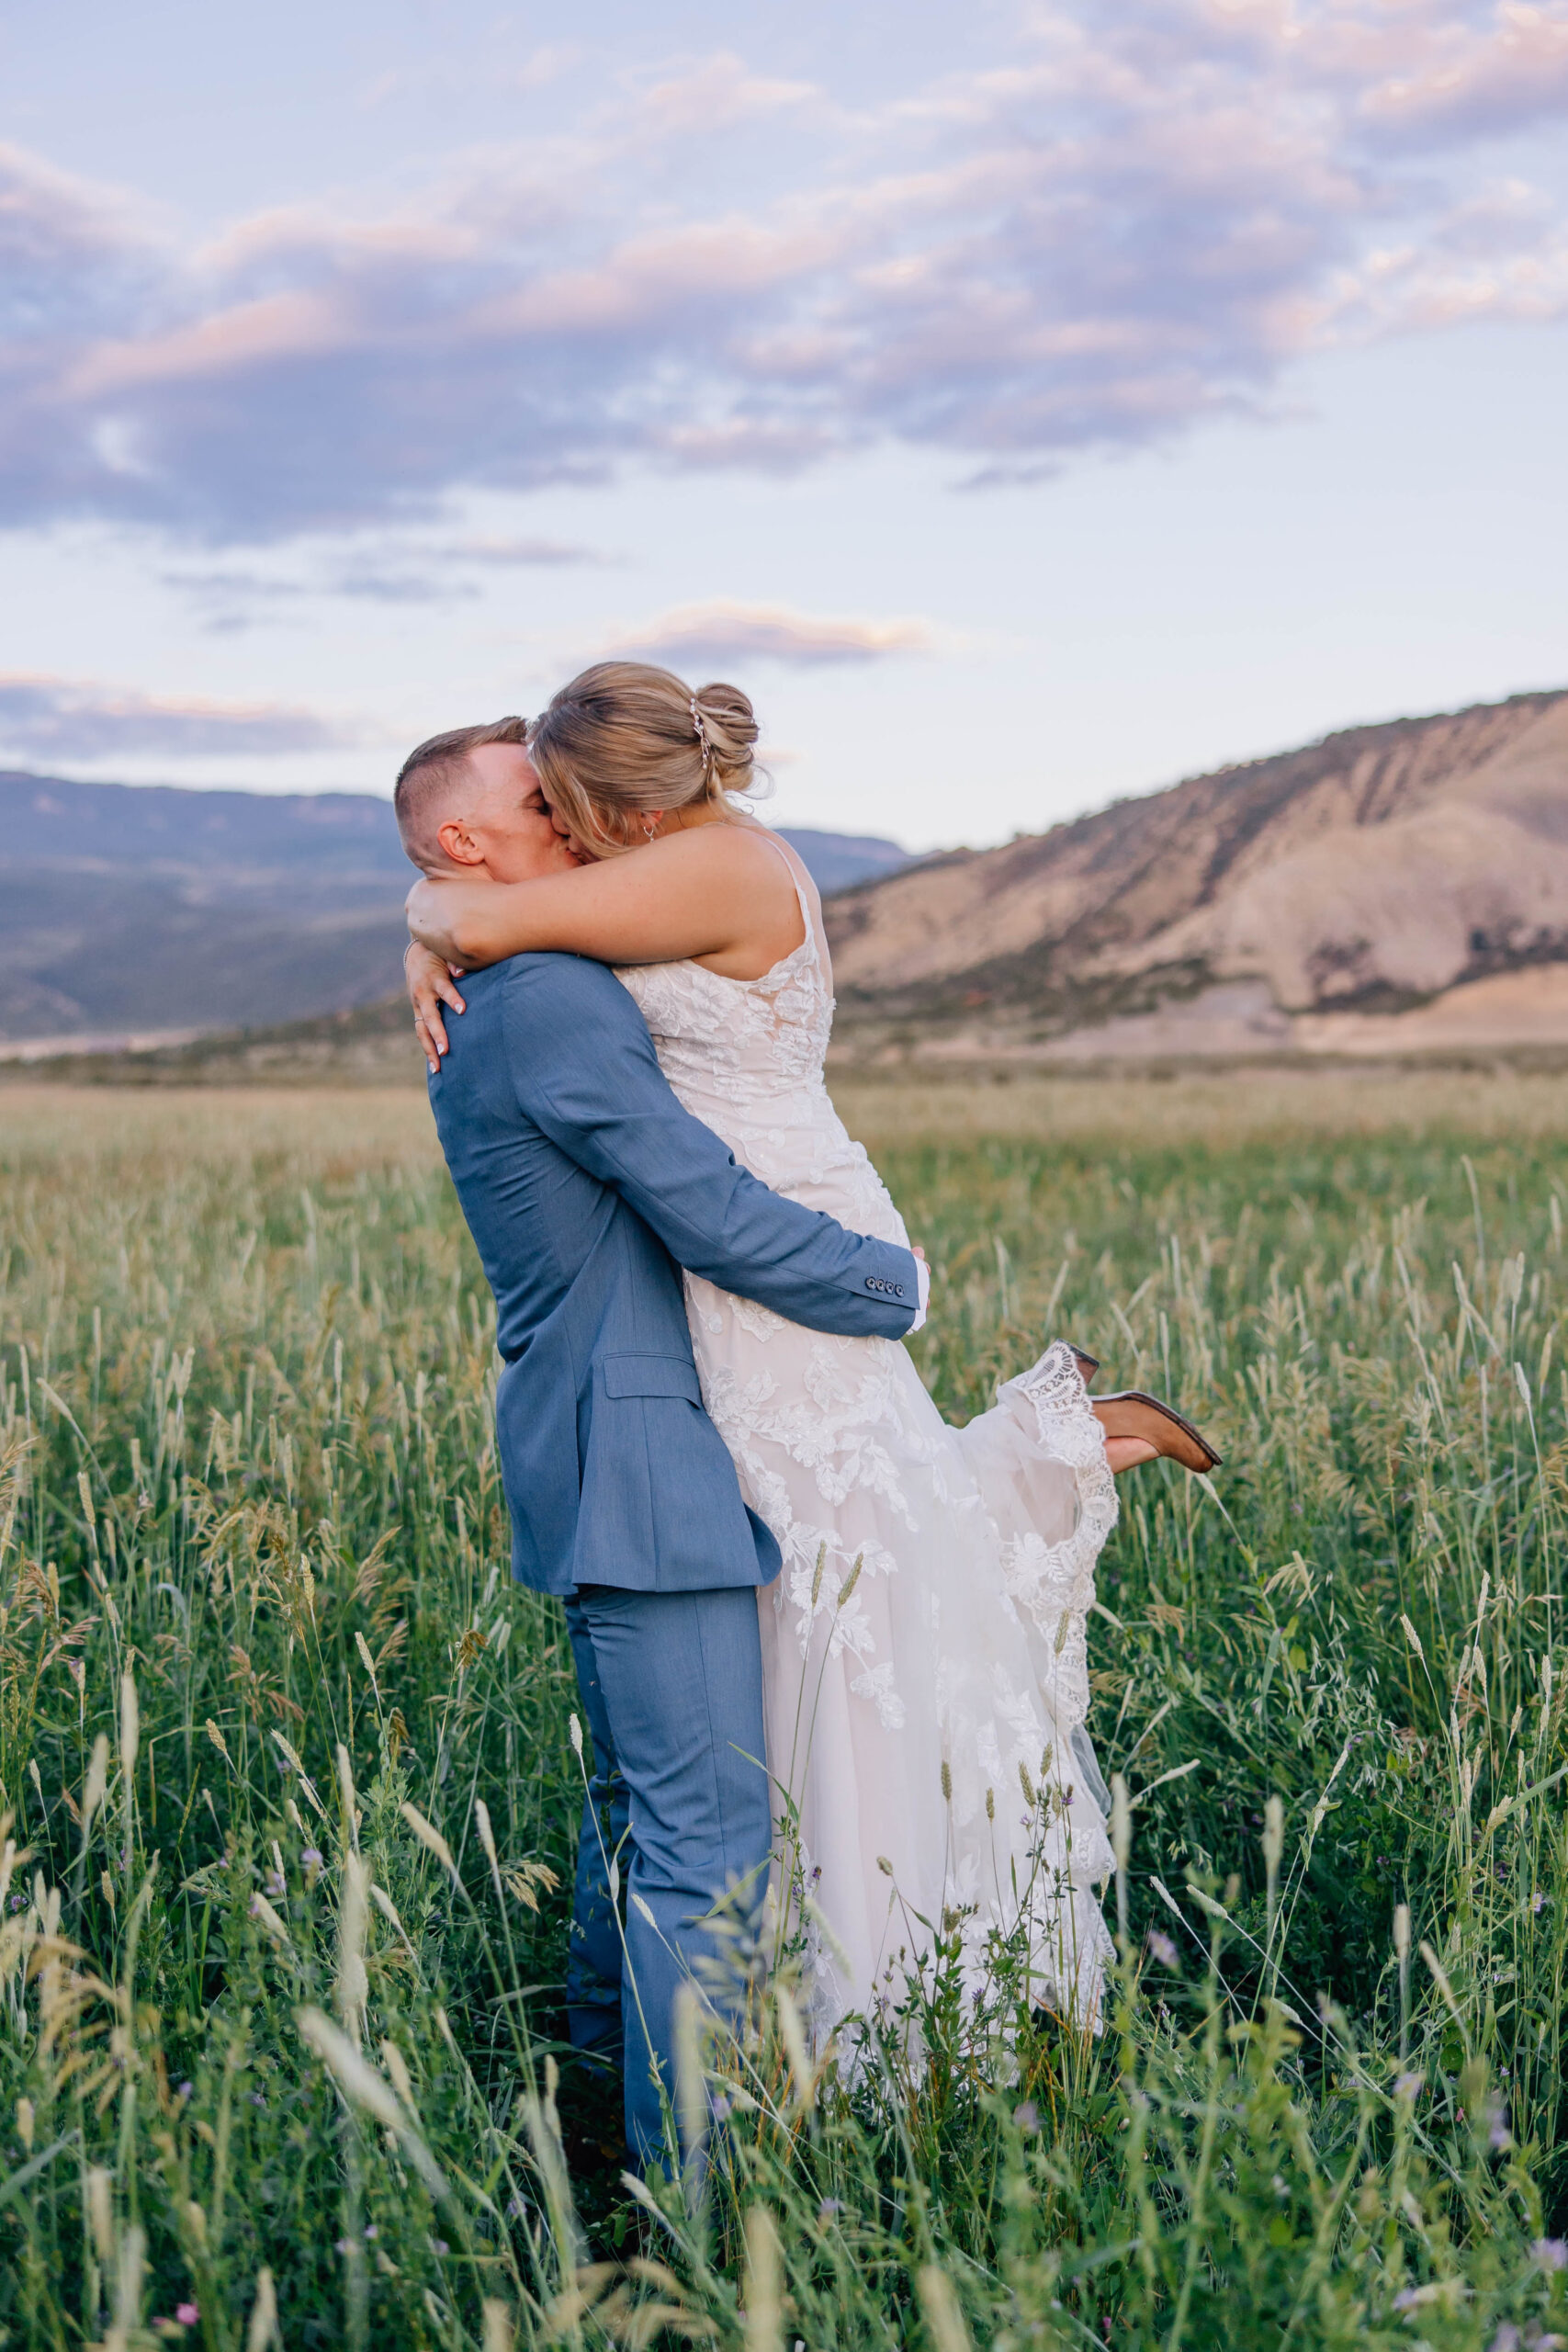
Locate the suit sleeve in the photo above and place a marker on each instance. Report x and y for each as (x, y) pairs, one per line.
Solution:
(584, 1069)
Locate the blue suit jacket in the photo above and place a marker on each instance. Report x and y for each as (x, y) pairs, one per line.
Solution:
(583, 1181)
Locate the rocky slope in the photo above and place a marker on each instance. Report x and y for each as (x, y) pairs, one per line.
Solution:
(1283, 903)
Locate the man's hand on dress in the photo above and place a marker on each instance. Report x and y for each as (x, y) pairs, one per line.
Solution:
(429, 979)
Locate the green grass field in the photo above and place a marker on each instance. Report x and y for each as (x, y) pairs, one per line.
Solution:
(286, 1762)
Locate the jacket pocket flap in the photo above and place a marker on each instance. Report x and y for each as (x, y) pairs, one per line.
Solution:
(652, 1377)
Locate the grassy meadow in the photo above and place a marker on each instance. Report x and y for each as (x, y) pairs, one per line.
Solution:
(290, 1791)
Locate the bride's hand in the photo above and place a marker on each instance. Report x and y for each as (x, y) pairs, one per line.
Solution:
(429, 979)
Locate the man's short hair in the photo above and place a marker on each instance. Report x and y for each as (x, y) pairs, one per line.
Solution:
(428, 774)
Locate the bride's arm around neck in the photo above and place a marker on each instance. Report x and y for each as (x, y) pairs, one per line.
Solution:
(720, 893)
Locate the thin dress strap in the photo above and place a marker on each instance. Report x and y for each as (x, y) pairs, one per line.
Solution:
(804, 902)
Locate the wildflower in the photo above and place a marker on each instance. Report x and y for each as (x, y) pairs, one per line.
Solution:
(371, 2231)
(1026, 2115)
(827, 2209)
(1498, 2135)
(1552, 2254)
(312, 1857)
(1408, 2085)
(187, 2090)
(440, 2245)
(1507, 2339)
(188, 2313)
(1162, 1948)
(1538, 1902)
(258, 2099)
(277, 1883)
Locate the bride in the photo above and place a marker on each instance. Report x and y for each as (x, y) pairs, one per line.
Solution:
(924, 1648)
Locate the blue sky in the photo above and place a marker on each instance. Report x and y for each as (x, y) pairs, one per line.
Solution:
(1028, 404)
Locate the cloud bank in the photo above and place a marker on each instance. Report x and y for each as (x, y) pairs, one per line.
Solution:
(63, 718)
(1108, 232)
(227, 597)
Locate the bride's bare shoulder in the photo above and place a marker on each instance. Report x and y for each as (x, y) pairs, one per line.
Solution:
(735, 848)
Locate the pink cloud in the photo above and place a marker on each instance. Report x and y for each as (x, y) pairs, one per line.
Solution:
(284, 327)
(723, 632)
(1512, 71)
(72, 718)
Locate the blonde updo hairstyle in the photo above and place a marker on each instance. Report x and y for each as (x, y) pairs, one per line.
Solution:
(626, 741)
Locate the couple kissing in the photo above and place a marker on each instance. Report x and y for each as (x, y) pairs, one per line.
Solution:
(806, 1613)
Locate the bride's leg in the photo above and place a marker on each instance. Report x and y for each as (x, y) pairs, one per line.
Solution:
(1126, 1453)
(1140, 1428)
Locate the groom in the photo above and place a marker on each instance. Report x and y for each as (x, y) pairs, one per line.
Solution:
(586, 1188)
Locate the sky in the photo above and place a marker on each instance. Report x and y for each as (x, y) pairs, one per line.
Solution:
(1027, 404)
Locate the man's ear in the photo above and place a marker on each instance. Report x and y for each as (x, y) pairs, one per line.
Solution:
(457, 843)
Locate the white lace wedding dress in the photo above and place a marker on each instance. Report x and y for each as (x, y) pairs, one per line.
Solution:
(923, 1650)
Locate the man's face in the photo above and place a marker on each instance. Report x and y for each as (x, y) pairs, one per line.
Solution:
(504, 831)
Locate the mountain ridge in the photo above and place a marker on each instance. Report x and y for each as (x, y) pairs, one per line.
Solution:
(1396, 887)
(135, 909)
(1368, 873)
